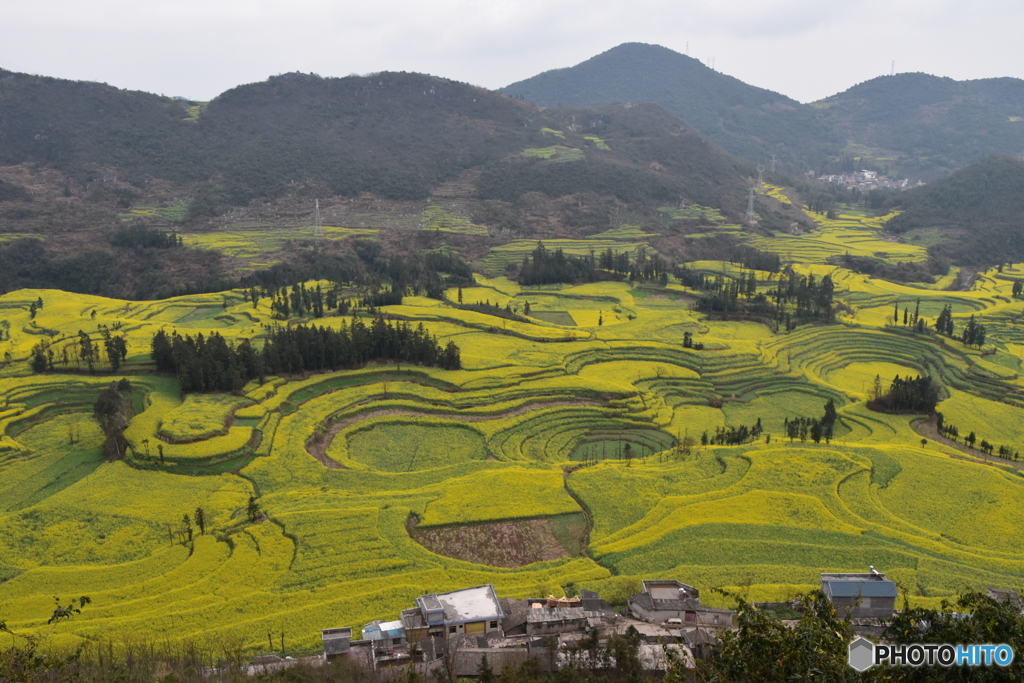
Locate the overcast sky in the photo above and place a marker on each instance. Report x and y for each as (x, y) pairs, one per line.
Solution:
(807, 49)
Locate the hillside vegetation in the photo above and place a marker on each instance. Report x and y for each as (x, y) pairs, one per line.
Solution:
(912, 124)
(747, 121)
(926, 126)
(977, 210)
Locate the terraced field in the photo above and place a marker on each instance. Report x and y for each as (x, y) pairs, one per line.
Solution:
(547, 419)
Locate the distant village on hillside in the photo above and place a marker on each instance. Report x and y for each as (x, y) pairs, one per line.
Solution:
(865, 181)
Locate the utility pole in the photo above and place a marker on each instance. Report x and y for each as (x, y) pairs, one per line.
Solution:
(318, 231)
(750, 206)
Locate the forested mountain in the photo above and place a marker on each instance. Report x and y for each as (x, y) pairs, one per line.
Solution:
(928, 126)
(397, 135)
(913, 125)
(978, 209)
(745, 120)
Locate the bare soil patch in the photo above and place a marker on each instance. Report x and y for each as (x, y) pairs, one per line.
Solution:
(514, 543)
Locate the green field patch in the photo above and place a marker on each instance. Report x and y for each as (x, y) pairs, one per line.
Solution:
(255, 242)
(624, 232)
(598, 142)
(554, 153)
(396, 447)
(717, 545)
(692, 212)
(174, 211)
(200, 416)
(926, 237)
(622, 444)
(554, 317)
(859, 378)
(552, 131)
(436, 218)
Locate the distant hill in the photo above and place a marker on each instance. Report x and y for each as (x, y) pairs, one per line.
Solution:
(745, 120)
(927, 126)
(978, 212)
(398, 135)
(78, 160)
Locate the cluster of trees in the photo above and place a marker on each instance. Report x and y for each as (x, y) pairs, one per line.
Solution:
(212, 364)
(141, 237)
(1018, 288)
(817, 428)
(80, 349)
(914, 320)
(722, 295)
(812, 298)
(904, 271)
(298, 302)
(794, 300)
(543, 267)
(641, 268)
(186, 531)
(732, 436)
(918, 395)
(34, 308)
(973, 334)
(688, 342)
(113, 410)
(509, 312)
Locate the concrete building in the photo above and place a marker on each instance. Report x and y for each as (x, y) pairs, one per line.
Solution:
(860, 596)
(469, 611)
(337, 642)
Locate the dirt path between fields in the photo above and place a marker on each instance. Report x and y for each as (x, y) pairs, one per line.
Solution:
(929, 429)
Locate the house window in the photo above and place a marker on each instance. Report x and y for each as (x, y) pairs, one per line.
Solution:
(494, 624)
(451, 629)
(396, 641)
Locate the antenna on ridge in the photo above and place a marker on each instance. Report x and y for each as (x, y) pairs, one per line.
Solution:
(318, 231)
(750, 207)
(687, 48)
(773, 163)
(892, 72)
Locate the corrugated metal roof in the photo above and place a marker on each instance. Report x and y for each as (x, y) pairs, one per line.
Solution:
(865, 589)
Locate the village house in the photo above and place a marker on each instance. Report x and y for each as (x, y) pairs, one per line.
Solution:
(673, 602)
(337, 642)
(860, 596)
(469, 611)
